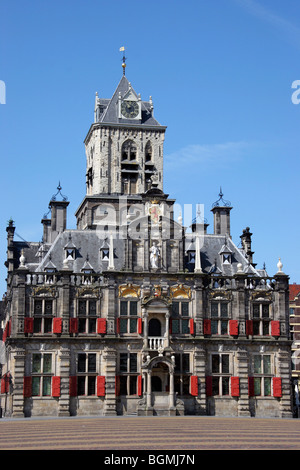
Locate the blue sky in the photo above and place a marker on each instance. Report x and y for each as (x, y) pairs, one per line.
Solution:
(220, 74)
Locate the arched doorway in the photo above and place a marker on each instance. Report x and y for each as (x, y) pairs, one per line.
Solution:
(154, 327)
(156, 384)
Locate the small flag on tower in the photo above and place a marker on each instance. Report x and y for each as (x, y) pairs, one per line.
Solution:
(122, 48)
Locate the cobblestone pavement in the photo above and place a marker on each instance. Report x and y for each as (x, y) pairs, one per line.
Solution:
(149, 433)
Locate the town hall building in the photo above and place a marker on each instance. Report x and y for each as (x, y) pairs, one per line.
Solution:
(132, 313)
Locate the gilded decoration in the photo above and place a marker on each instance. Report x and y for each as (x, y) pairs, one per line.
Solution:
(87, 292)
(261, 296)
(43, 291)
(129, 290)
(157, 294)
(220, 295)
(180, 291)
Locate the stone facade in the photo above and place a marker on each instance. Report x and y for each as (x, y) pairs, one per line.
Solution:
(132, 313)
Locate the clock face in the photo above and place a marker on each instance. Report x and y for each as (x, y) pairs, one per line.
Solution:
(130, 109)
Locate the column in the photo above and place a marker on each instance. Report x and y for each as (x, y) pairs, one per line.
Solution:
(149, 404)
(171, 394)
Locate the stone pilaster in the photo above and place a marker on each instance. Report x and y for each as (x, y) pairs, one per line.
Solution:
(110, 362)
(18, 383)
(64, 399)
(242, 372)
(199, 371)
(284, 370)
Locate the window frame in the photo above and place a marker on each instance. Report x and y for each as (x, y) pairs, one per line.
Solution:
(41, 378)
(87, 321)
(86, 378)
(181, 318)
(128, 375)
(130, 318)
(221, 376)
(219, 322)
(43, 321)
(261, 323)
(262, 379)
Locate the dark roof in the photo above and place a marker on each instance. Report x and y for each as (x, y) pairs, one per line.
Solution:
(110, 112)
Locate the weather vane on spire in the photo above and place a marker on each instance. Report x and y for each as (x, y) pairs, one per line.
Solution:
(122, 49)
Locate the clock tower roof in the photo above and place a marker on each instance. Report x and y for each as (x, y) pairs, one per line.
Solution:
(107, 110)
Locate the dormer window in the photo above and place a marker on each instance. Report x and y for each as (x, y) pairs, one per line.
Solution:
(70, 253)
(226, 258)
(105, 255)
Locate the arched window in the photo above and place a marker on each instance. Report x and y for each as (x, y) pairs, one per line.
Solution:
(129, 150)
(148, 152)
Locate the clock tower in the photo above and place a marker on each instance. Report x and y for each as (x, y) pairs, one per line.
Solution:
(124, 149)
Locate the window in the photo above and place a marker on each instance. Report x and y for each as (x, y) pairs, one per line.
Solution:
(261, 319)
(41, 374)
(220, 374)
(86, 374)
(128, 316)
(87, 311)
(129, 150)
(182, 374)
(180, 317)
(43, 315)
(128, 368)
(262, 374)
(219, 318)
(148, 152)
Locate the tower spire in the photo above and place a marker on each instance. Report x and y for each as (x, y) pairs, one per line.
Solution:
(122, 49)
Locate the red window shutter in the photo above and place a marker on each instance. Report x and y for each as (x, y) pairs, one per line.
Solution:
(101, 386)
(118, 326)
(233, 328)
(249, 327)
(140, 385)
(101, 326)
(275, 328)
(194, 385)
(208, 384)
(57, 325)
(56, 386)
(28, 325)
(235, 386)
(73, 327)
(27, 386)
(140, 326)
(117, 385)
(73, 386)
(192, 326)
(170, 325)
(207, 327)
(277, 387)
(3, 384)
(251, 386)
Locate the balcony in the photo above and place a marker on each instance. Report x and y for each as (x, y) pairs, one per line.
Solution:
(156, 342)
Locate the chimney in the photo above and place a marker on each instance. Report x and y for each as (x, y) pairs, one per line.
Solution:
(246, 244)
